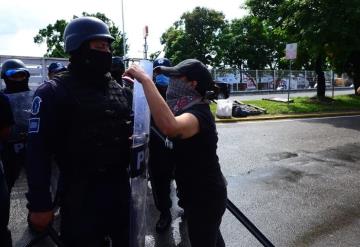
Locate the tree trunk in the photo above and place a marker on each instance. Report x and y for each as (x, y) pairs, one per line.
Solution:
(356, 80)
(353, 69)
(320, 77)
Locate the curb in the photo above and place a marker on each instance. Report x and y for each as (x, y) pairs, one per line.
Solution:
(290, 116)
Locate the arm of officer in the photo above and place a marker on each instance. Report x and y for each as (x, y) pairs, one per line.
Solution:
(6, 117)
(41, 135)
(182, 126)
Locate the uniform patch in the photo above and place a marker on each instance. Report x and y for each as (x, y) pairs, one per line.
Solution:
(35, 109)
(34, 125)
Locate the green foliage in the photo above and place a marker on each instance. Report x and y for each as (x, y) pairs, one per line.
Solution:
(52, 35)
(249, 43)
(341, 103)
(195, 35)
(154, 55)
(326, 30)
(308, 105)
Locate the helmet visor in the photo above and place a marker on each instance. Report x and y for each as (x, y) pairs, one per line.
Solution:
(12, 72)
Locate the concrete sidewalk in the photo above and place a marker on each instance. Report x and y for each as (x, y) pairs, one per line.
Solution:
(264, 117)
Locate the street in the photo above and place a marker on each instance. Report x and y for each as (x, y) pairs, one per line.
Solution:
(296, 180)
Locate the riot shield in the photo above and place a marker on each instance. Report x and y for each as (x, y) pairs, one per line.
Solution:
(21, 107)
(138, 166)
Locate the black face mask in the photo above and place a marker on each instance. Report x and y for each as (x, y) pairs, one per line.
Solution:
(117, 75)
(16, 86)
(97, 62)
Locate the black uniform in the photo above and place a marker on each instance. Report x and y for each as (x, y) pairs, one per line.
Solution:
(161, 168)
(6, 120)
(14, 149)
(85, 126)
(201, 185)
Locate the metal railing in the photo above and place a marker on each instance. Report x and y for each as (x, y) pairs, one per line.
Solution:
(276, 80)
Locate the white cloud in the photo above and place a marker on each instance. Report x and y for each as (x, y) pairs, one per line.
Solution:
(21, 20)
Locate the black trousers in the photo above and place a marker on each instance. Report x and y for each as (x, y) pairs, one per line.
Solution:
(204, 209)
(5, 235)
(13, 163)
(94, 209)
(161, 171)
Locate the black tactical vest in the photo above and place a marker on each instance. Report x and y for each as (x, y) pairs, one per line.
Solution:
(97, 128)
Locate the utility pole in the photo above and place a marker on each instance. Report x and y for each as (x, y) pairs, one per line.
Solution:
(146, 34)
(123, 29)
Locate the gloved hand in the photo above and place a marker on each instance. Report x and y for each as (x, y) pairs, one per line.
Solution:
(39, 221)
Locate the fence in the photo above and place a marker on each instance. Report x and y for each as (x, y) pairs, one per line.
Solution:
(37, 67)
(277, 80)
(240, 80)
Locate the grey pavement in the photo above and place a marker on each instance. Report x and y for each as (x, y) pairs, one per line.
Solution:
(296, 180)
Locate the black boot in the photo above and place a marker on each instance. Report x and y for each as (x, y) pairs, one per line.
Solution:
(163, 222)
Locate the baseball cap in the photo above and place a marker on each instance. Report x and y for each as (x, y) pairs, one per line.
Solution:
(193, 69)
(162, 62)
(56, 67)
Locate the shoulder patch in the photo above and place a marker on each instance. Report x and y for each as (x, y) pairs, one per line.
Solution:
(34, 125)
(35, 108)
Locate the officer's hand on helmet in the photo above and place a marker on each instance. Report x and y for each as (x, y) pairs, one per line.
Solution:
(39, 221)
(136, 72)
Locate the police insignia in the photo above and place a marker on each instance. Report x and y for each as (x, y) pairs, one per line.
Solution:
(34, 125)
(36, 105)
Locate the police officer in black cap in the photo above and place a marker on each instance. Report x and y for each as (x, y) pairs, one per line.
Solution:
(16, 77)
(117, 69)
(55, 68)
(161, 168)
(82, 118)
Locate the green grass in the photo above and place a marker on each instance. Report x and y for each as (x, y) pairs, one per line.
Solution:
(306, 105)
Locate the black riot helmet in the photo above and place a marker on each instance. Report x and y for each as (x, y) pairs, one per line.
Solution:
(13, 66)
(83, 29)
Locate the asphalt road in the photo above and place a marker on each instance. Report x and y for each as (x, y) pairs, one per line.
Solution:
(296, 180)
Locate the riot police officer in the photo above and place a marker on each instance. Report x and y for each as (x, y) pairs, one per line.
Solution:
(55, 68)
(117, 69)
(82, 118)
(16, 77)
(160, 166)
(6, 121)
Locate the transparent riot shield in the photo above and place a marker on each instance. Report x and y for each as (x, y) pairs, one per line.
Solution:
(138, 166)
(21, 107)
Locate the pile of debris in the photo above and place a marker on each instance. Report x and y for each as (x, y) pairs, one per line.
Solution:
(240, 109)
(236, 109)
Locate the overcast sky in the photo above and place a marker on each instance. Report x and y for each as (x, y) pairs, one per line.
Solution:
(20, 20)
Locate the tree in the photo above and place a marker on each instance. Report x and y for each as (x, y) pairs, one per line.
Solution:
(195, 36)
(53, 36)
(327, 31)
(249, 43)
